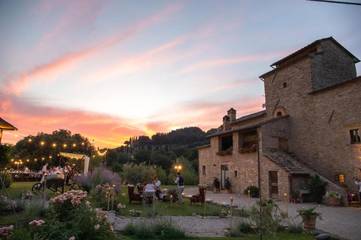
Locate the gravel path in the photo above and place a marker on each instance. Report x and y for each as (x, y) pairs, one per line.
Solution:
(340, 221)
(191, 225)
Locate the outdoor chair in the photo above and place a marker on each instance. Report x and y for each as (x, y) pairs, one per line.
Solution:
(201, 197)
(133, 196)
(148, 197)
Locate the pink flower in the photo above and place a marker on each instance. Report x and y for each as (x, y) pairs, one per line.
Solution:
(37, 223)
(5, 231)
(72, 238)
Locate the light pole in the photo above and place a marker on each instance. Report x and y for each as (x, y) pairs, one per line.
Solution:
(260, 191)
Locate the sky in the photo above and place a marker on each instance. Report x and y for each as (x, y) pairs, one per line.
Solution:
(114, 69)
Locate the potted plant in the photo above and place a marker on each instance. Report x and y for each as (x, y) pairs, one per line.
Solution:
(309, 217)
(333, 199)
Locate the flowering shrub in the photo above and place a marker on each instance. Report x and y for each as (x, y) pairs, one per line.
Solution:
(37, 223)
(74, 197)
(6, 231)
(99, 176)
(70, 216)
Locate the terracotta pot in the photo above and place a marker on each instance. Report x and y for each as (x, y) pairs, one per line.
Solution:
(332, 201)
(309, 223)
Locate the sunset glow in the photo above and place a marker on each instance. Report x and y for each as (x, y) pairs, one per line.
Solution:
(114, 69)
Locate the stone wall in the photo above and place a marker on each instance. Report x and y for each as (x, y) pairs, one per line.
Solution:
(244, 163)
(331, 65)
(319, 122)
(283, 180)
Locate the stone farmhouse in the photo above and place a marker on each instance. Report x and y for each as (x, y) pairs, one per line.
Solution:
(311, 125)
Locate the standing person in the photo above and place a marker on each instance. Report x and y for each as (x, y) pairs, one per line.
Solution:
(44, 172)
(157, 187)
(180, 186)
(358, 183)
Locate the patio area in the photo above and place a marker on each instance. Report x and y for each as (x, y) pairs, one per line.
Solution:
(340, 221)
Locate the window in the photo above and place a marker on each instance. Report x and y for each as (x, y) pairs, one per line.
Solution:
(235, 173)
(226, 143)
(284, 85)
(279, 112)
(248, 142)
(203, 170)
(355, 136)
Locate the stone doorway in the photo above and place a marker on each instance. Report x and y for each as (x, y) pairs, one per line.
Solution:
(224, 175)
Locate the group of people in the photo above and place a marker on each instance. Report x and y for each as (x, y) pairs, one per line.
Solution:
(153, 187)
(54, 172)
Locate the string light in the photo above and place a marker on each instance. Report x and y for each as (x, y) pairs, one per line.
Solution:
(74, 145)
(30, 140)
(82, 143)
(53, 145)
(42, 143)
(65, 145)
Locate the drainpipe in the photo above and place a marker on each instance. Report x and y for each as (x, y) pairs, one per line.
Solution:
(259, 187)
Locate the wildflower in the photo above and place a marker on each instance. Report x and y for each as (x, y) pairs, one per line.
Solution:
(121, 206)
(5, 231)
(72, 238)
(37, 223)
(96, 227)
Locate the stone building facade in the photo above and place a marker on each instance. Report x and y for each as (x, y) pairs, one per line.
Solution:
(311, 125)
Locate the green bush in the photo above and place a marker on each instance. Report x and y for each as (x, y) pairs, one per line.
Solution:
(253, 191)
(138, 173)
(271, 217)
(6, 179)
(317, 189)
(21, 234)
(295, 228)
(245, 227)
(71, 217)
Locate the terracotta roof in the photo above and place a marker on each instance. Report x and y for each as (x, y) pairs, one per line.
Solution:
(286, 161)
(4, 125)
(305, 50)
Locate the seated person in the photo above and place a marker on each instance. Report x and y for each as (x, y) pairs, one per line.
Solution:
(149, 187)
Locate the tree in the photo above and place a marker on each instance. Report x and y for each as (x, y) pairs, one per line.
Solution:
(36, 150)
(5, 151)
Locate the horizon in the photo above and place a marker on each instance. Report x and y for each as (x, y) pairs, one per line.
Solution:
(116, 70)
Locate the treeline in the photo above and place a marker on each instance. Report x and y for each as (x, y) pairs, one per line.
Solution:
(161, 149)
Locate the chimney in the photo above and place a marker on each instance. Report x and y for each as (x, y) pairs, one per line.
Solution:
(226, 122)
(231, 113)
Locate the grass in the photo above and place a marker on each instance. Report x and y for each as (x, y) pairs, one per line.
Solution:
(167, 208)
(14, 192)
(279, 236)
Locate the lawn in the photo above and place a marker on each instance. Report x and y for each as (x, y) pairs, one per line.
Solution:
(279, 236)
(168, 208)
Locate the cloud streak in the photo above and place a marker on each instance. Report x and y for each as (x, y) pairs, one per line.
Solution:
(20, 82)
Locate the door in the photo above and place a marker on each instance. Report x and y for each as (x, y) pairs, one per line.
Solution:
(224, 175)
(273, 184)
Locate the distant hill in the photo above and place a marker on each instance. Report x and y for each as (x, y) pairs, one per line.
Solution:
(188, 137)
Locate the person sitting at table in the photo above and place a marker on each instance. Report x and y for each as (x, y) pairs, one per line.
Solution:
(149, 191)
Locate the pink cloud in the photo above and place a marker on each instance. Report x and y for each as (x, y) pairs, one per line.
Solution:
(18, 83)
(220, 62)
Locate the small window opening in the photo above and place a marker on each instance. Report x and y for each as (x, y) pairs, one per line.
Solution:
(355, 136)
(235, 173)
(284, 85)
(279, 114)
(203, 170)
